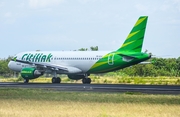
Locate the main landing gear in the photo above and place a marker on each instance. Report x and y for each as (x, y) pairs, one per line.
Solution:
(55, 79)
(86, 80)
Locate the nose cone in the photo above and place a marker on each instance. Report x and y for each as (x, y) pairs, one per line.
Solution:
(10, 65)
(15, 66)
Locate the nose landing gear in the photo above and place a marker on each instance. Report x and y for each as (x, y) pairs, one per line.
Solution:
(26, 80)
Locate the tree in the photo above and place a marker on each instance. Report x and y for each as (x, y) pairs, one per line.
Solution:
(83, 49)
(94, 48)
(4, 70)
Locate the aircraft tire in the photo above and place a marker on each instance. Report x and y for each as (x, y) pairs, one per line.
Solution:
(86, 80)
(58, 80)
(54, 80)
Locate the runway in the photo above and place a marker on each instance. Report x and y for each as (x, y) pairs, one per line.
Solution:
(152, 89)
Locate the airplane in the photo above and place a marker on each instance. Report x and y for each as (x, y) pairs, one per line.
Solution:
(80, 64)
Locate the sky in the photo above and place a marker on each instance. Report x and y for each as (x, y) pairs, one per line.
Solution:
(60, 25)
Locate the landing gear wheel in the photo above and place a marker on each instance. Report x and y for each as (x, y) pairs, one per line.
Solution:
(86, 81)
(89, 80)
(26, 80)
(56, 80)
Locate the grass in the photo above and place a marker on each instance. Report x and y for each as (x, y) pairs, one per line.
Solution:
(28, 108)
(48, 102)
(109, 80)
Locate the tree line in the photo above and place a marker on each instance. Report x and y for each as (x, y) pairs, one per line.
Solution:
(4, 70)
(157, 67)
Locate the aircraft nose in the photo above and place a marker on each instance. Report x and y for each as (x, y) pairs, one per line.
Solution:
(14, 66)
(10, 64)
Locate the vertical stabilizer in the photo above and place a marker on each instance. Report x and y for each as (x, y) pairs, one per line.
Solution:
(134, 40)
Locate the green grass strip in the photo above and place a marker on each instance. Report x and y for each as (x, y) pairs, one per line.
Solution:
(97, 97)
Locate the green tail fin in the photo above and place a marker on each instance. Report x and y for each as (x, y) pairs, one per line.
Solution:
(134, 41)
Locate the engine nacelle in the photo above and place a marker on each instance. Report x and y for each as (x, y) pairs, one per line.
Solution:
(76, 77)
(30, 73)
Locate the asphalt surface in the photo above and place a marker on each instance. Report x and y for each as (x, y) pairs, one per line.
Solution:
(152, 89)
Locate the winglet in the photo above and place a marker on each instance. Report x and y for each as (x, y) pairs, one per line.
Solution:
(134, 40)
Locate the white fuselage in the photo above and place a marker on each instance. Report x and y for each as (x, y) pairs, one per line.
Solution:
(82, 60)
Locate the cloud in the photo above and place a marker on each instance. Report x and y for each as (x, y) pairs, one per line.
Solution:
(177, 4)
(21, 5)
(141, 7)
(87, 1)
(1, 4)
(146, 8)
(8, 14)
(10, 17)
(43, 3)
(170, 6)
(174, 21)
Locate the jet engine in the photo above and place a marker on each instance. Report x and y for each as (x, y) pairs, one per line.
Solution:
(30, 73)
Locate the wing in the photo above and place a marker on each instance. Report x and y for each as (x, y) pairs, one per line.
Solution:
(53, 67)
